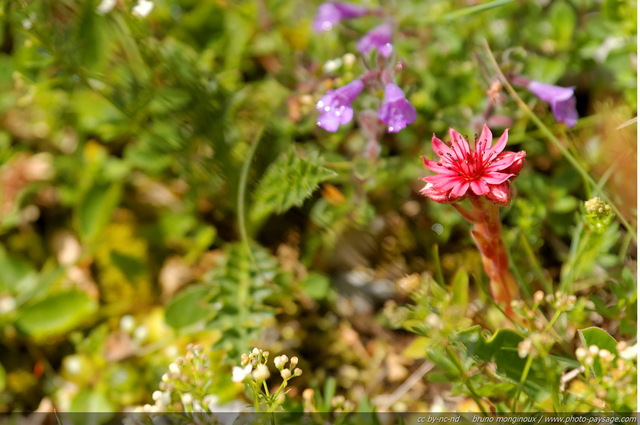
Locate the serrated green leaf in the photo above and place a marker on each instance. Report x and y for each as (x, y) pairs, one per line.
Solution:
(502, 349)
(56, 315)
(288, 182)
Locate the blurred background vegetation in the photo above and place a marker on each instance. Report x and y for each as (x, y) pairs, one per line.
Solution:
(163, 182)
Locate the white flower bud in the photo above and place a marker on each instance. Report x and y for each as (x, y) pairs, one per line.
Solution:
(280, 361)
(538, 296)
(239, 374)
(261, 373)
(142, 9)
(186, 399)
(294, 361)
(285, 374)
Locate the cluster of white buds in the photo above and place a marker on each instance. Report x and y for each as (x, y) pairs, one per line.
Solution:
(589, 355)
(185, 386)
(141, 9)
(561, 301)
(254, 365)
(254, 371)
(613, 384)
(287, 373)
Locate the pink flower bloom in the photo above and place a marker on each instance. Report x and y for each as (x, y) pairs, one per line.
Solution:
(335, 106)
(396, 111)
(332, 12)
(482, 171)
(379, 38)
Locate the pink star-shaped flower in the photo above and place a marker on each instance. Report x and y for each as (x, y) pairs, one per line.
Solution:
(482, 171)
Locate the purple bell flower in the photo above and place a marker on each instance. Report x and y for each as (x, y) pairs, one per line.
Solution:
(561, 99)
(335, 106)
(396, 111)
(332, 12)
(379, 38)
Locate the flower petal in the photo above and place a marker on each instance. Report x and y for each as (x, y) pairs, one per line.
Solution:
(479, 187)
(378, 38)
(443, 182)
(507, 162)
(435, 166)
(460, 144)
(565, 111)
(496, 178)
(550, 93)
(328, 121)
(350, 91)
(460, 189)
(392, 93)
(484, 140)
(434, 194)
(441, 148)
(500, 194)
(498, 147)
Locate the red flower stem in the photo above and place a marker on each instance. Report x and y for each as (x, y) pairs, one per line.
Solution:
(467, 215)
(487, 234)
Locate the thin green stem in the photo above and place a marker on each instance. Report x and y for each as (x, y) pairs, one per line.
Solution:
(523, 378)
(553, 320)
(243, 287)
(465, 380)
(550, 136)
(436, 258)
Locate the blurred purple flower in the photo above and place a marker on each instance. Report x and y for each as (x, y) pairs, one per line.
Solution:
(380, 38)
(396, 111)
(561, 99)
(335, 106)
(332, 12)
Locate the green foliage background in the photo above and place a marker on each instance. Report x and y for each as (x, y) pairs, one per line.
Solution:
(164, 181)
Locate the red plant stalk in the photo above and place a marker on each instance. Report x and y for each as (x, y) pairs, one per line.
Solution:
(487, 235)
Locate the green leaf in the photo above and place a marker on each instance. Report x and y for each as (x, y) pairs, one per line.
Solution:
(471, 10)
(190, 306)
(57, 314)
(16, 275)
(602, 340)
(563, 20)
(502, 349)
(3, 378)
(92, 400)
(288, 182)
(461, 288)
(329, 392)
(91, 39)
(316, 286)
(94, 212)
